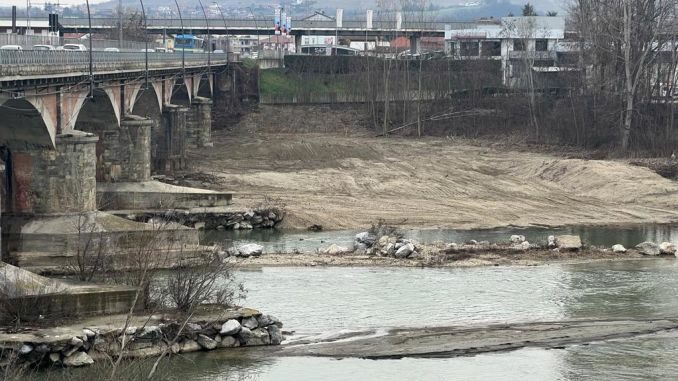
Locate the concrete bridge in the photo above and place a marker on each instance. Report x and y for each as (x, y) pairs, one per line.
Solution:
(68, 138)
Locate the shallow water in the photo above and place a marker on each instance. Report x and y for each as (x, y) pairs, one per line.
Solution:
(325, 301)
(304, 241)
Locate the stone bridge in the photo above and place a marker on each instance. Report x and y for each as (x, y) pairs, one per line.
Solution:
(62, 131)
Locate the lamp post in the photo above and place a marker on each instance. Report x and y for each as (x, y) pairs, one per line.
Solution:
(143, 13)
(91, 68)
(209, 42)
(183, 46)
(224, 19)
(256, 26)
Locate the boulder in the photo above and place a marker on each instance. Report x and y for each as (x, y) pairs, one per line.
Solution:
(266, 320)
(230, 327)
(244, 334)
(275, 334)
(525, 245)
(250, 322)
(206, 342)
(26, 349)
(55, 357)
(383, 241)
(667, 248)
(335, 249)
(568, 242)
(250, 249)
(551, 241)
(78, 359)
(88, 332)
(618, 248)
(229, 342)
(130, 330)
(517, 238)
(648, 248)
(188, 346)
(366, 238)
(76, 342)
(258, 337)
(404, 251)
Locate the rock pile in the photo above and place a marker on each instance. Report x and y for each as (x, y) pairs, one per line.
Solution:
(385, 246)
(246, 327)
(229, 219)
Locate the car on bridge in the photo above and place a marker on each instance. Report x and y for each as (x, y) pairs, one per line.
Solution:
(111, 50)
(11, 47)
(43, 47)
(75, 47)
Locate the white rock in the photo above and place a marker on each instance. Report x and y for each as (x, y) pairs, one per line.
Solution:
(250, 249)
(229, 342)
(55, 357)
(76, 342)
(26, 349)
(231, 327)
(189, 346)
(517, 238)
(88, 332)
(667, 248)
(551, 241)
(648, 248)
(78, 359)
(568, 242)
(335, 249)
(525, 245)
(131, 330)
(618, 248)
(266, 320)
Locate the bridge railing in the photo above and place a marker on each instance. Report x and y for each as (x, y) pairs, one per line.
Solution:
(25, 63)
(28, 41)
(267, 24)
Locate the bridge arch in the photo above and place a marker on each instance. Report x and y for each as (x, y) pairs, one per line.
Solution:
(98, 116)
(27, 122)
(181, 92)
(204, 87)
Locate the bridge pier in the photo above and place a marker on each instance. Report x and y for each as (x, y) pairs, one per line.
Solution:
(169, 144)
(138, 166)
(55, 181)
(199, 123)
(415, 44)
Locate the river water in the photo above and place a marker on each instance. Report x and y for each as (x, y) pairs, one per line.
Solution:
(321, 302)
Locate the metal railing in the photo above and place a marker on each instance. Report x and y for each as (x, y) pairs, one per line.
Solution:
(28, 41)
(266, 24)
(533, 55)
(27, 63)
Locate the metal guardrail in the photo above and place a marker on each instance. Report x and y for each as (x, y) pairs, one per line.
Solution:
(28, 41)
(267, 24)
(26, 63)
(533, 55)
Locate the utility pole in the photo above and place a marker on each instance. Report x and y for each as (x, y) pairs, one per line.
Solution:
(120, 24)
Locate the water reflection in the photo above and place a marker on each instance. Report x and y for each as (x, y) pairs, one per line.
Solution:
(281, 241)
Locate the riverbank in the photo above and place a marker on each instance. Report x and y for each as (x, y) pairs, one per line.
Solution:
(325, 168)
(85, 341)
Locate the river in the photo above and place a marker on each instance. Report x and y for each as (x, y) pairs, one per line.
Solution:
(319, 302)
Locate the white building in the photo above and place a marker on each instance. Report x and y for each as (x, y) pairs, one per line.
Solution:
(518, 42)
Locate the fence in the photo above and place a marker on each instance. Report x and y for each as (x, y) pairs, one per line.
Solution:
(55, 62)
(28, 41)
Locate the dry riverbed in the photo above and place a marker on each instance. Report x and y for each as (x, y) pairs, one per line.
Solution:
(327, 169)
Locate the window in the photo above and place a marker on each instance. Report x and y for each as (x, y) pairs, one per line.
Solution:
(469, 49)
(491, 48)
(541, 45)
(519, 45)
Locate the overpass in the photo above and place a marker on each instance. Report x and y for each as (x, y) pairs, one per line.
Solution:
(62, 130)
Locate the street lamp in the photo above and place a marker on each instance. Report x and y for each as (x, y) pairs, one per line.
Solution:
(183, 46)
(143, 13)
(223, 18)
(209, 42)
(91, 68)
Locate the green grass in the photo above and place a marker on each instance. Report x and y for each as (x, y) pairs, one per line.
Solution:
(280, 82)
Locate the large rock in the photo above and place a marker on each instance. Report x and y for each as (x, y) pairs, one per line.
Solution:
(366, 239)
(206, 342)
(250, 250)
(335, 249)
(648, 248)
(618, 248)
(250, 322)
(405, 250)
(667, 248)
(78, 359)
(266, 320)
(229, 342)
(275, 334)
(517, 238)
(568, 242)
(189, 346)
(258, 337)
(230, 328)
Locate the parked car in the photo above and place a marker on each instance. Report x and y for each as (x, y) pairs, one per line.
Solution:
(150, 50)
(160, 50)
(111, 50)
(43, 47)
(218, 51)
(75, 47)
(11, 47)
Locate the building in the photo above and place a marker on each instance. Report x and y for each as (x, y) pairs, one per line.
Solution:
(279, 43)
(521, 43)
(244, 45)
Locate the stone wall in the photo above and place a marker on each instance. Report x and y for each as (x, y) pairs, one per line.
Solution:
(87, 344)
(168, 140)
(56, 181)
(227, 219)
